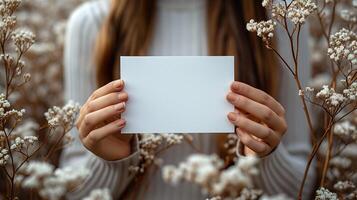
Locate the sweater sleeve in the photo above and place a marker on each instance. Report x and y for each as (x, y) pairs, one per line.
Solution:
(79, 75)
(282, 171)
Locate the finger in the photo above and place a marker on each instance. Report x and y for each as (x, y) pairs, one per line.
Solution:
(93, 119)
(114, 86)
(257, 95)
(259, 111)
(258, 130)
(102, 102)
(259, 147)
(98, 134)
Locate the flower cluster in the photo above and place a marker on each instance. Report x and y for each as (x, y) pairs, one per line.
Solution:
(150, 144)
(325, 194)
(23, 40)
(299, 10)
(7, 7)
(343, 186)
(343, 45)
(51, 184)
(4, 156)
(4, 105)
(5, 113)
(21, 142)
(99, 194)
(64, 116)
(349, 16)
(330, 97)
(346, 130)
(264, 29)
(207, 172)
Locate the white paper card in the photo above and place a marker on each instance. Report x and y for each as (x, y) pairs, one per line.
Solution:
(177, 94)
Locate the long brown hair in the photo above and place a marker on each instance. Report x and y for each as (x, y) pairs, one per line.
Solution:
(130, 24)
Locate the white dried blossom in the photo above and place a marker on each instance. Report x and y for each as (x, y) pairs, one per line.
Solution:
(99, 194)
(52, 184)
(64, 116)
(264, 29)
(172, 139)
(6, 25)
(351, 91)
(27, 128)
(6, 113)
(324, 194)
(343, 45)
(340, 162)
(231, 143)
(266, 3)
(207, 172)
(7, 7)
(4, 156)
(299, 10)
(343, 186)
(330, 97)
(36, 170)
(21, 142)
(23, 40)
(4, 104)
(250, 194)
(346, 130)
(348, 15)
(150, 144)
(54, 187)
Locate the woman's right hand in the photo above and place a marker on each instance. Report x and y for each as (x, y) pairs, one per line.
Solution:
(99, 122)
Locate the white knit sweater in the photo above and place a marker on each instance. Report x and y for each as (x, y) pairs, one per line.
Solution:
(180, 30)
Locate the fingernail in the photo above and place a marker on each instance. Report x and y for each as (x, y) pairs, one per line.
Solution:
(231, 97)
(122, 96)
(121, 122)
(118, 83)
(232, 116)
(119, 106)
(235, 84)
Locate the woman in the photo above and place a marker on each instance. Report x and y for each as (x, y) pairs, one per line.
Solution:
(178, 27)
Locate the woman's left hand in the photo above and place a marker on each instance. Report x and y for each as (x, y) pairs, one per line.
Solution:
(259, 118)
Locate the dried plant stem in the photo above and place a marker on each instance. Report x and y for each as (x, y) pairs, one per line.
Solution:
(327, 157)
(315, 149)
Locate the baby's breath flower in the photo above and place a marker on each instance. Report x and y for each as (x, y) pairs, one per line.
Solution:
(99, 194)
(331, 97)
(346, 130)
(7, 7)
(264, 29)
(52, 184)
(21, 142)
(343, 45)
(299, 10)
(4, 156)
(207, 171)
(266, 3)
(342, 186)
(348, 15)
(324, 194)
(23, 40)
(340, 162)
(64, 116)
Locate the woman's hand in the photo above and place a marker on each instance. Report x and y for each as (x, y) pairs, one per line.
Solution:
(99, 123)
(259, 118)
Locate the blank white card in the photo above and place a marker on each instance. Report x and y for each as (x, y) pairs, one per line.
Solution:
(177, 94)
